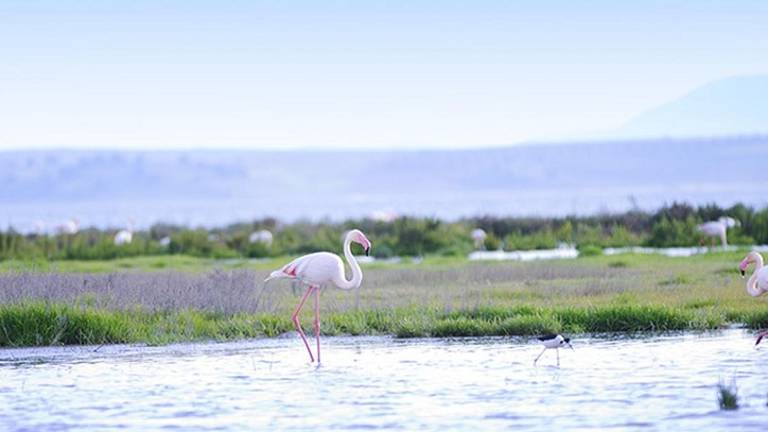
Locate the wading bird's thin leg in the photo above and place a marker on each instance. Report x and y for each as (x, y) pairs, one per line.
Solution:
(539, 356)
(295, 319)
(317, 321)
(558, 356)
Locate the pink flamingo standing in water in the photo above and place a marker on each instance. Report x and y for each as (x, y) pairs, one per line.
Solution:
(758, 282)
(317, 270)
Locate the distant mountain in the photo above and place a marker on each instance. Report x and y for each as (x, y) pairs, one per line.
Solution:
(731, 106)
(109, 188)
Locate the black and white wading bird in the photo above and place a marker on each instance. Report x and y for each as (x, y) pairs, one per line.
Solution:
(553, 341)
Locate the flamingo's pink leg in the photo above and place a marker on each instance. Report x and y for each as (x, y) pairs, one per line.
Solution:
(760, 336)
(295, 319)
(317, 321)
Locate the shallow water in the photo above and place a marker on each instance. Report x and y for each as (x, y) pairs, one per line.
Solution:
(525, 255)
(680, 251)
(654, 383)
(570, 253)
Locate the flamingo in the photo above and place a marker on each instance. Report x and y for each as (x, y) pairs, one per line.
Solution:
(758, 283)
(261, 236)
(478, 236)
(718, 228)
(318, 269)
(124, 236)
(70, 227)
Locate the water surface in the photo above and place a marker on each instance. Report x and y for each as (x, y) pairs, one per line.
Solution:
(652, 382)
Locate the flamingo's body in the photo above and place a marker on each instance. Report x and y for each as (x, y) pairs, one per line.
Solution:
(478, 236)
(718, 228)
(123, 237)
(261, 236)
(757, 284)
(69, 227)
(318, 270)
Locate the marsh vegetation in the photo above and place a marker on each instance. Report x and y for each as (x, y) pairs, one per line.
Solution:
(439, 297)
(672, 225)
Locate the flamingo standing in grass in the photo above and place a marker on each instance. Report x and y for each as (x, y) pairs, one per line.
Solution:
(718, 229)
(758, 282)
(318, 269)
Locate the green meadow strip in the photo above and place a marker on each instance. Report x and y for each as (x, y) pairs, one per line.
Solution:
(756, 320)
(41, 324)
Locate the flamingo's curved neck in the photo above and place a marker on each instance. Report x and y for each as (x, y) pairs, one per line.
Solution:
(357, 274)
(752, 288)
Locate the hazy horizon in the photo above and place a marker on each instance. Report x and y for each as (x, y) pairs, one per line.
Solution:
(214, 188)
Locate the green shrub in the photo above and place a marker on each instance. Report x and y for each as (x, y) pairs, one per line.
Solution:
(673, 225)
(590, 250)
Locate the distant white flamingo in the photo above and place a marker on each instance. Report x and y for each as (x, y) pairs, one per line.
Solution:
(165, 241)
(317, 270)
(71, 226)
(718, 228)
(124, 236)
(478, 236)
(758, 283)
(261, 236)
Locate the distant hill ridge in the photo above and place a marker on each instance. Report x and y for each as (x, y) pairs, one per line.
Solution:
(730, 106)
(211, 187)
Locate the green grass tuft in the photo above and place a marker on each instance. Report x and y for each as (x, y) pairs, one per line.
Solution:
(727, 396)
(755, 320)
(680, 279)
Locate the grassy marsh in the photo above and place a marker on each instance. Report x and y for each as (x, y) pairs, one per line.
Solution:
(137, 300)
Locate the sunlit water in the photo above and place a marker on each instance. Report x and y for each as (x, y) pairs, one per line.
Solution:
(653, 382)
(572, 252)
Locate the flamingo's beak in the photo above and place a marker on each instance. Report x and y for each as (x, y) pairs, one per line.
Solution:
(743, 267)
(367, 251)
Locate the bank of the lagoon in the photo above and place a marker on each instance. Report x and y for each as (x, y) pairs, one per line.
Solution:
(439, 297)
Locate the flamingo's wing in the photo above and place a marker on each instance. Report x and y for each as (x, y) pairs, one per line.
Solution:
(289, 270)
(316, 268)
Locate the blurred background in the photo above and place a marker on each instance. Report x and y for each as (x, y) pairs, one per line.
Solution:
(249, 129)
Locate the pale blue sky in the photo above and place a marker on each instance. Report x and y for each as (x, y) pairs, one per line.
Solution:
(364, 74)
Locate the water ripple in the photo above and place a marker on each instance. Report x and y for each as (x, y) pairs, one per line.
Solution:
(658, 382)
